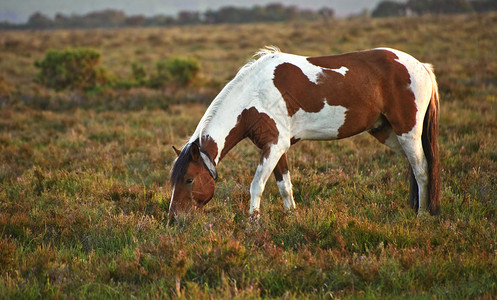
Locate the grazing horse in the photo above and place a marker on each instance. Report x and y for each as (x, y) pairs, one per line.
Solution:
(279, 99)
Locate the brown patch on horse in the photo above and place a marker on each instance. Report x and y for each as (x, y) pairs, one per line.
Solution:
(257, 126)
(281, 168)
(374, 84)
(209, 146)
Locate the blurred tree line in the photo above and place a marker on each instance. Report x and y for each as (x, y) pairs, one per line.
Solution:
(420, 7)
(229, 14)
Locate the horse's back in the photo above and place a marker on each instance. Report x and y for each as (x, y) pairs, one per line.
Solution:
(338, 96)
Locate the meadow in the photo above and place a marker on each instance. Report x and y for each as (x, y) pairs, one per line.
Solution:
(84, 193)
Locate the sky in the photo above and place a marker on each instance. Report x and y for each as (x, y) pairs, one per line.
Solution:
(18, 11)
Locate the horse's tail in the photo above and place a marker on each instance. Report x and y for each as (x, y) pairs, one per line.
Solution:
(430, 147)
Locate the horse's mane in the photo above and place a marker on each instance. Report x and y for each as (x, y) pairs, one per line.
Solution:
(180, 165)
(266, 50)
(242, 73)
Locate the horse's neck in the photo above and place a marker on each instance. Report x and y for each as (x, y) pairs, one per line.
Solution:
(220, 130)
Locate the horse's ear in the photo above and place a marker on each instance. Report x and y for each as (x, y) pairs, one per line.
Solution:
(195, 152)
(176, 150)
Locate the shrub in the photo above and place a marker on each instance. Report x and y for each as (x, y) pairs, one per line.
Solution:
(176, 71)
(71, 69)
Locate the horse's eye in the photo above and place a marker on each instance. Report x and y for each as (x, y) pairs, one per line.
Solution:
(189, 181)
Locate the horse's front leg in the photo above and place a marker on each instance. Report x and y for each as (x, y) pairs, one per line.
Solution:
(270, 158)
(284, 183)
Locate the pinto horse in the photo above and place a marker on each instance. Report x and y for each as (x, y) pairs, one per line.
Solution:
(279, 99)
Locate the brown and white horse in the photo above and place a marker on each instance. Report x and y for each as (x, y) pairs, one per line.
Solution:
(279, 99)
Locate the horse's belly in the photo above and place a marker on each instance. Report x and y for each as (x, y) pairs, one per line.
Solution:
(322, 125)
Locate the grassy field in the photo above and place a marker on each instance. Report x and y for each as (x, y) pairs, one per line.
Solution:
(84, 193)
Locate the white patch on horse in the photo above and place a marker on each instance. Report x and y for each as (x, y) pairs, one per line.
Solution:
(321, 125)
(172, 197)
(342, 70)
(312, 72)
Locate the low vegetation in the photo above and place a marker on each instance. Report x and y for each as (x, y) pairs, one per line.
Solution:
(73, 69)
(77, 69)
(83, 175)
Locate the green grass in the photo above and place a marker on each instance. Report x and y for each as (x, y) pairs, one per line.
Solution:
(84, 193)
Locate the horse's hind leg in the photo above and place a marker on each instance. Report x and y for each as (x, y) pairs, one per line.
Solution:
(413, 148)
(284, 183)
(384, 133)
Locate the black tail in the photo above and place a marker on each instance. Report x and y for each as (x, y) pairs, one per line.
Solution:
(413, 190)
(430, 147)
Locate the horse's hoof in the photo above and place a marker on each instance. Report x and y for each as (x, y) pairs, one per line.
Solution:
(254, 221)
(255, 217)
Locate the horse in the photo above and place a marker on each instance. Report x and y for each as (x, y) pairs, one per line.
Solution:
(278, 99)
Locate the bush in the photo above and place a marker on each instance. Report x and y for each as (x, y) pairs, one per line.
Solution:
(78, 69)
(176, 71)
(71, 69)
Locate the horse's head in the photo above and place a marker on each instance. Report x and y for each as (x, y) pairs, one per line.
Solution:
(193, 179)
